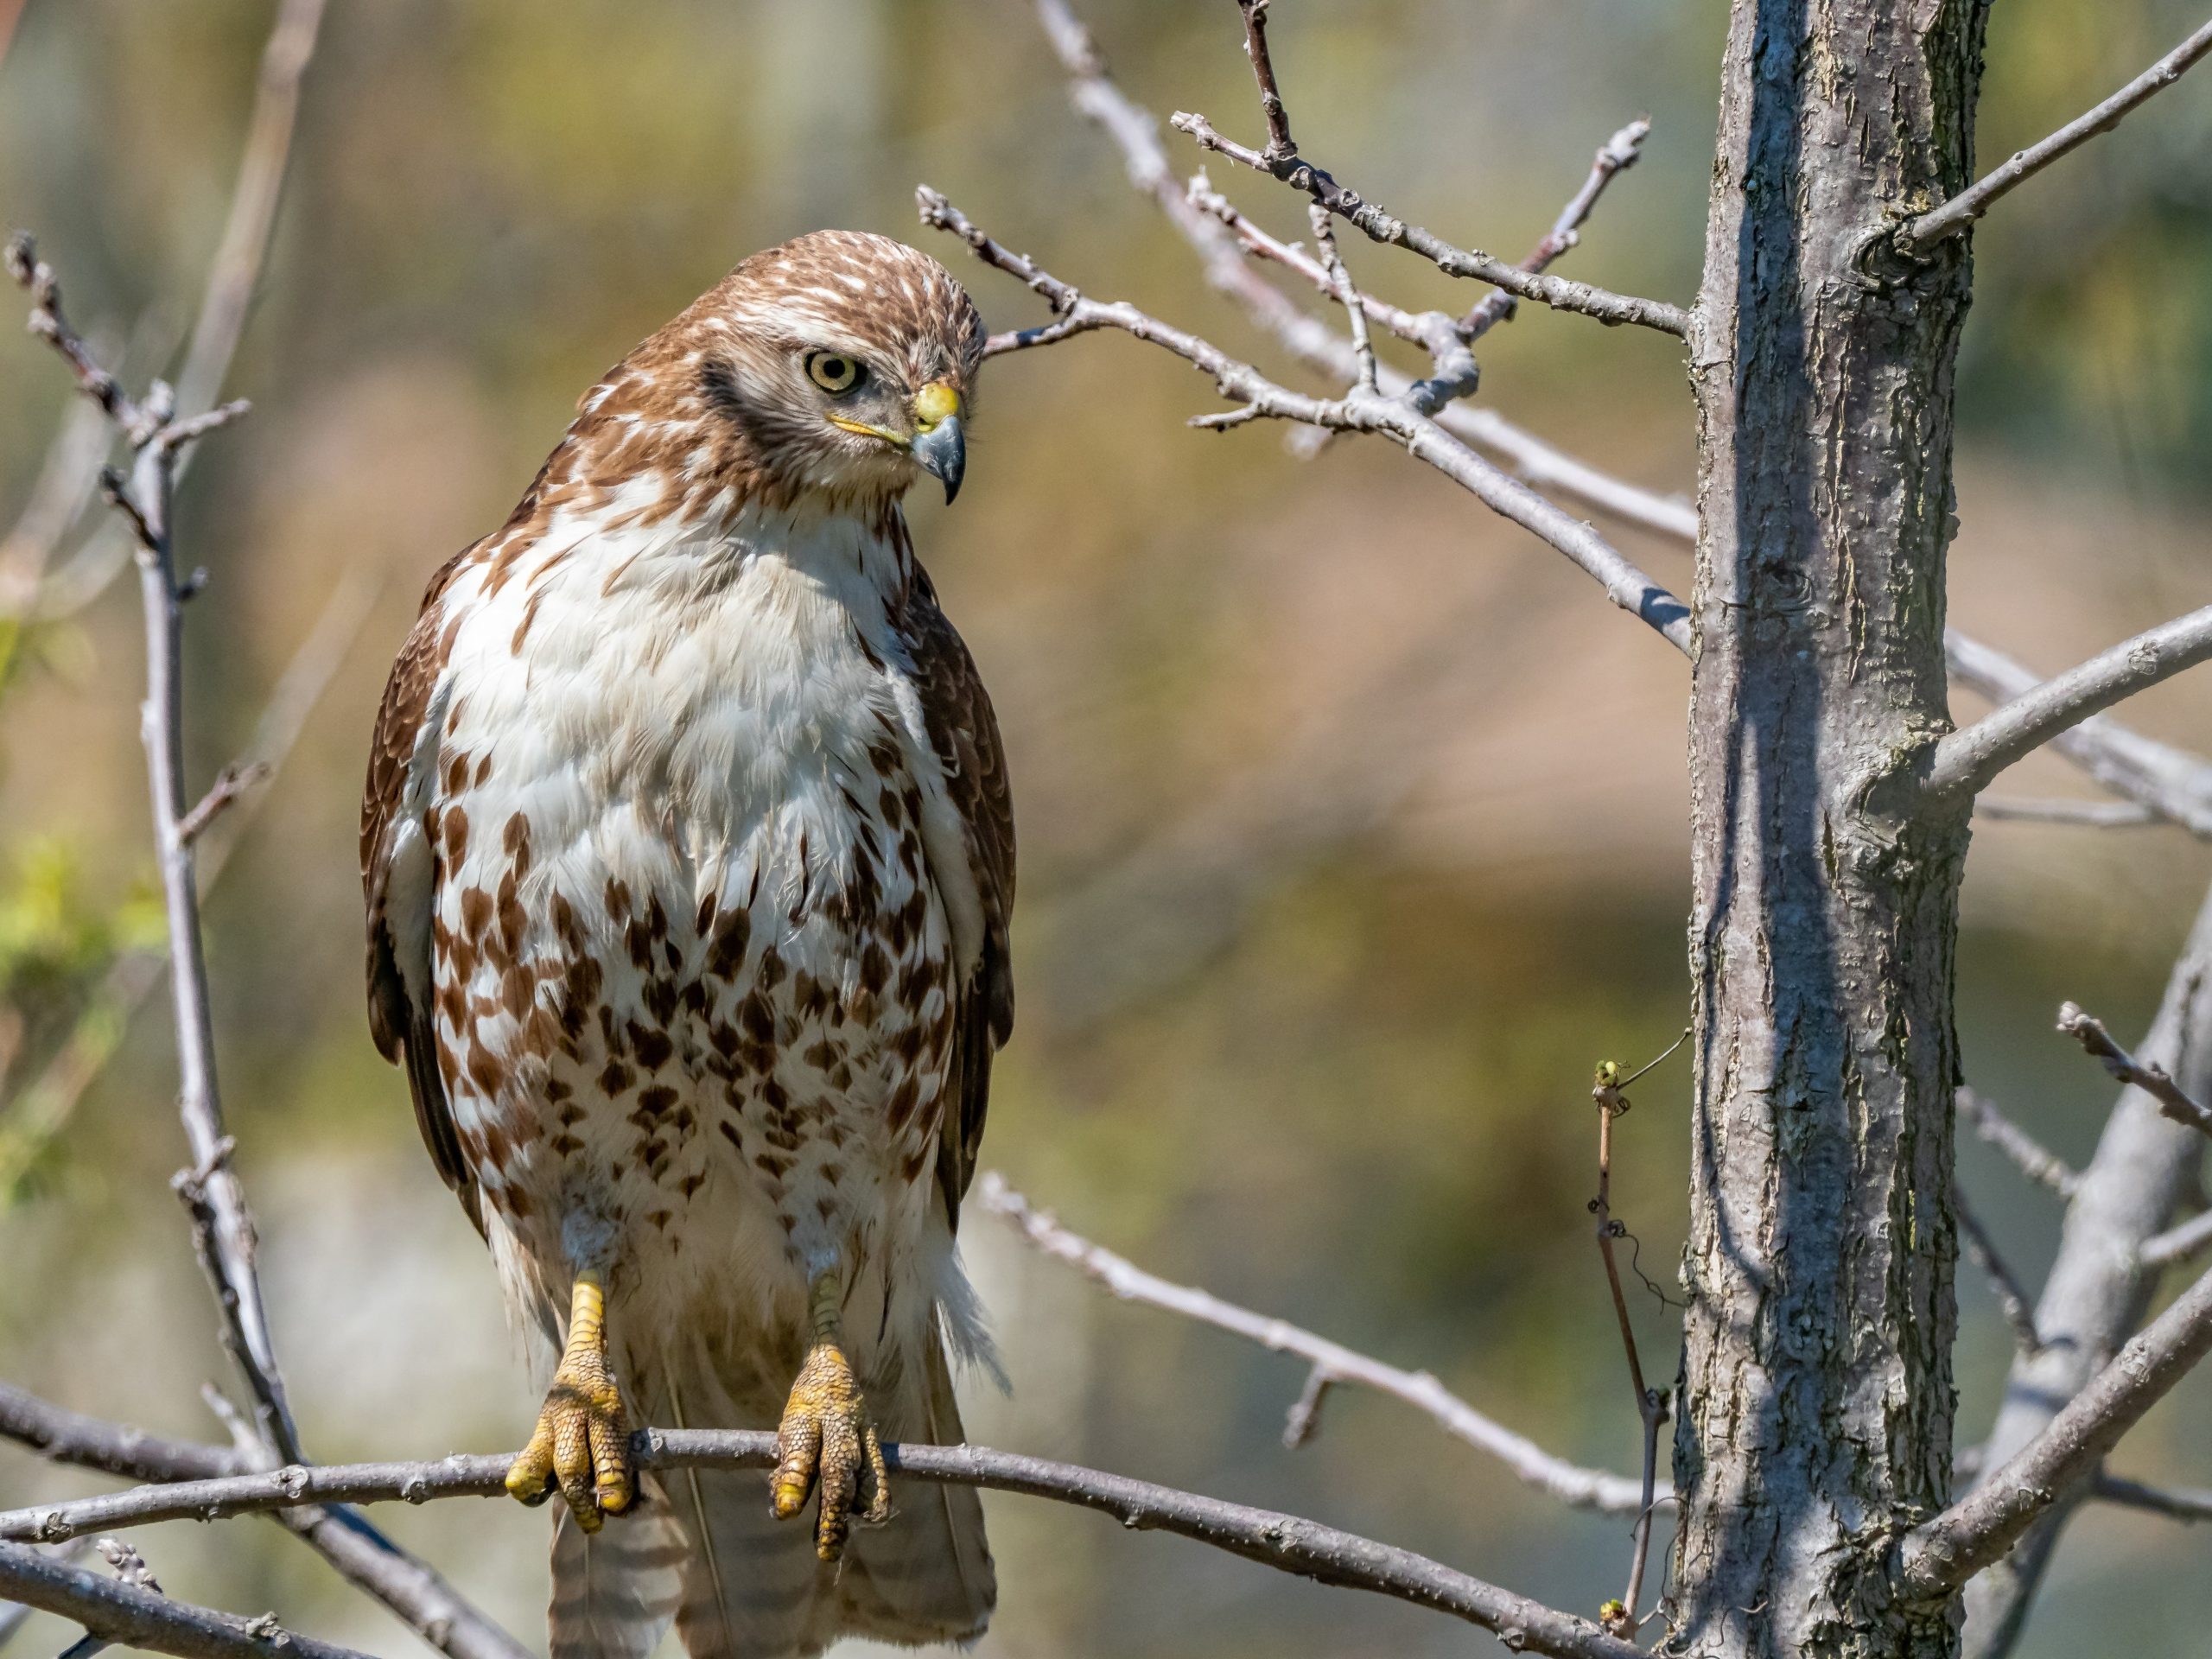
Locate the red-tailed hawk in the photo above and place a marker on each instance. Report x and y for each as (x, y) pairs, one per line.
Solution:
(688, 857)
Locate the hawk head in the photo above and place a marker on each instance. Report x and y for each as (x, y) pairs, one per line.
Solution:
(839, 365)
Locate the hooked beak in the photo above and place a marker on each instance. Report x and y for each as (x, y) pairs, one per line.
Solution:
(939, 444)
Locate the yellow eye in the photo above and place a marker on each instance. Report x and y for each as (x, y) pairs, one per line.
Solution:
(832, 370)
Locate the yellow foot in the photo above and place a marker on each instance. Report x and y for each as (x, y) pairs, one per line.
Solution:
(826, 1438)
(583, 1437)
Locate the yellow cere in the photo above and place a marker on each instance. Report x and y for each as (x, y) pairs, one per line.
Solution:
(935, 402)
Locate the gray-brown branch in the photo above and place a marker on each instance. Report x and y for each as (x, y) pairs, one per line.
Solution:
(1286, 1543)
(2151, 1079)
(1941, 1554)
(1967, 759)
(1974, 200)
(116, 1612)
(1259, 398)
(1570, 1482)
(412, 1590)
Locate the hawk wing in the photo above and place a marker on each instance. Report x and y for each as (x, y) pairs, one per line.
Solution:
(964, 732)
(399, 882)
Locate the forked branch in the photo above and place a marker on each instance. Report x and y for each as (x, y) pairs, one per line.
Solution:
(1258, 397)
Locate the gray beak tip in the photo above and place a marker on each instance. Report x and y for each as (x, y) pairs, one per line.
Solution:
(941, 452)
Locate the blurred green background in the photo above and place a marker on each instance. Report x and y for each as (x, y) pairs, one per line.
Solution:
(1353, 818)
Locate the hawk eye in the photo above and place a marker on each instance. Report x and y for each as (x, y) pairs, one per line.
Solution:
(832, 370)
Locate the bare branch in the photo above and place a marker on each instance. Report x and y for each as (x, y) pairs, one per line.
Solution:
(1135, 132)
(1282, 146)
(231, 783)
(2088, 815)
(2153, 1080)
(2012, 1299)
(1970, 204)
(1287, 1543)
(119, 1612)
(2177, 1243)
(1332, 263)
(412, 1590)
(1392, 417)
(2034, 1160)
(156, 435)
(1941, 1554)
(40, 1111)
(2169, 781)
(1617, 154)
(1967, 760)
(1620, 1617)
(1589, 1488)
(1472, 263)
(2175, 1503)
(245, 246)
(2098, 1290)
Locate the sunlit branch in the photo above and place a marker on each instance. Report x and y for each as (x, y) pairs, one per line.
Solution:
(1286, 1543)
(1974, 200)
(1570, 1482)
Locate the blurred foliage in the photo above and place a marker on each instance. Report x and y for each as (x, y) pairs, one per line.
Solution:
(1340, 1074)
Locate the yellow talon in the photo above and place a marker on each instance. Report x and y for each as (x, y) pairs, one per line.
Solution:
(582, 1439)
(827, 1439)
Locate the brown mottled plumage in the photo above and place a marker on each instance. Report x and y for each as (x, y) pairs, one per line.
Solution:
(688, 857)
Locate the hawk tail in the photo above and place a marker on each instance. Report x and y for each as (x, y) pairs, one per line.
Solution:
(614, 1590)
(752, 1585)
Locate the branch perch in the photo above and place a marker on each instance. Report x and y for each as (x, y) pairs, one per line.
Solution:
(1286, 1543)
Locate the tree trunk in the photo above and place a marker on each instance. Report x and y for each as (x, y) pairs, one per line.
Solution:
(1816, 1404)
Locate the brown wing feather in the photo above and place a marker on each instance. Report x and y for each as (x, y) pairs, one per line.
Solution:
(403, 1029)
(965, 731)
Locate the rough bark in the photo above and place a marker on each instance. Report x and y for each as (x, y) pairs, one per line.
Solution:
(2098, 1292)
(1817, 1407)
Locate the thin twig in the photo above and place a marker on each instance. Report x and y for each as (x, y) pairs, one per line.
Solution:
(232, 276)
(2177, 1503)
(231, 783)
(2153, 1080)
(2034, 1160)
(2178, 1243)
(1620, 1617)
(1363, 348)
(1615, 156)
(1571, 1484)
(1392, 417)
(1135, 132)
(2012, 1299)
(1281, 159)
(1942, 1554)
(1286, 1543)
(1966, 760)
(1970, 204)
(158, 437)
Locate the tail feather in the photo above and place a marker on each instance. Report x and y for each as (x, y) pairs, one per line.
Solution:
(614, 1590)
(752, 1585)
(927, 1576)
